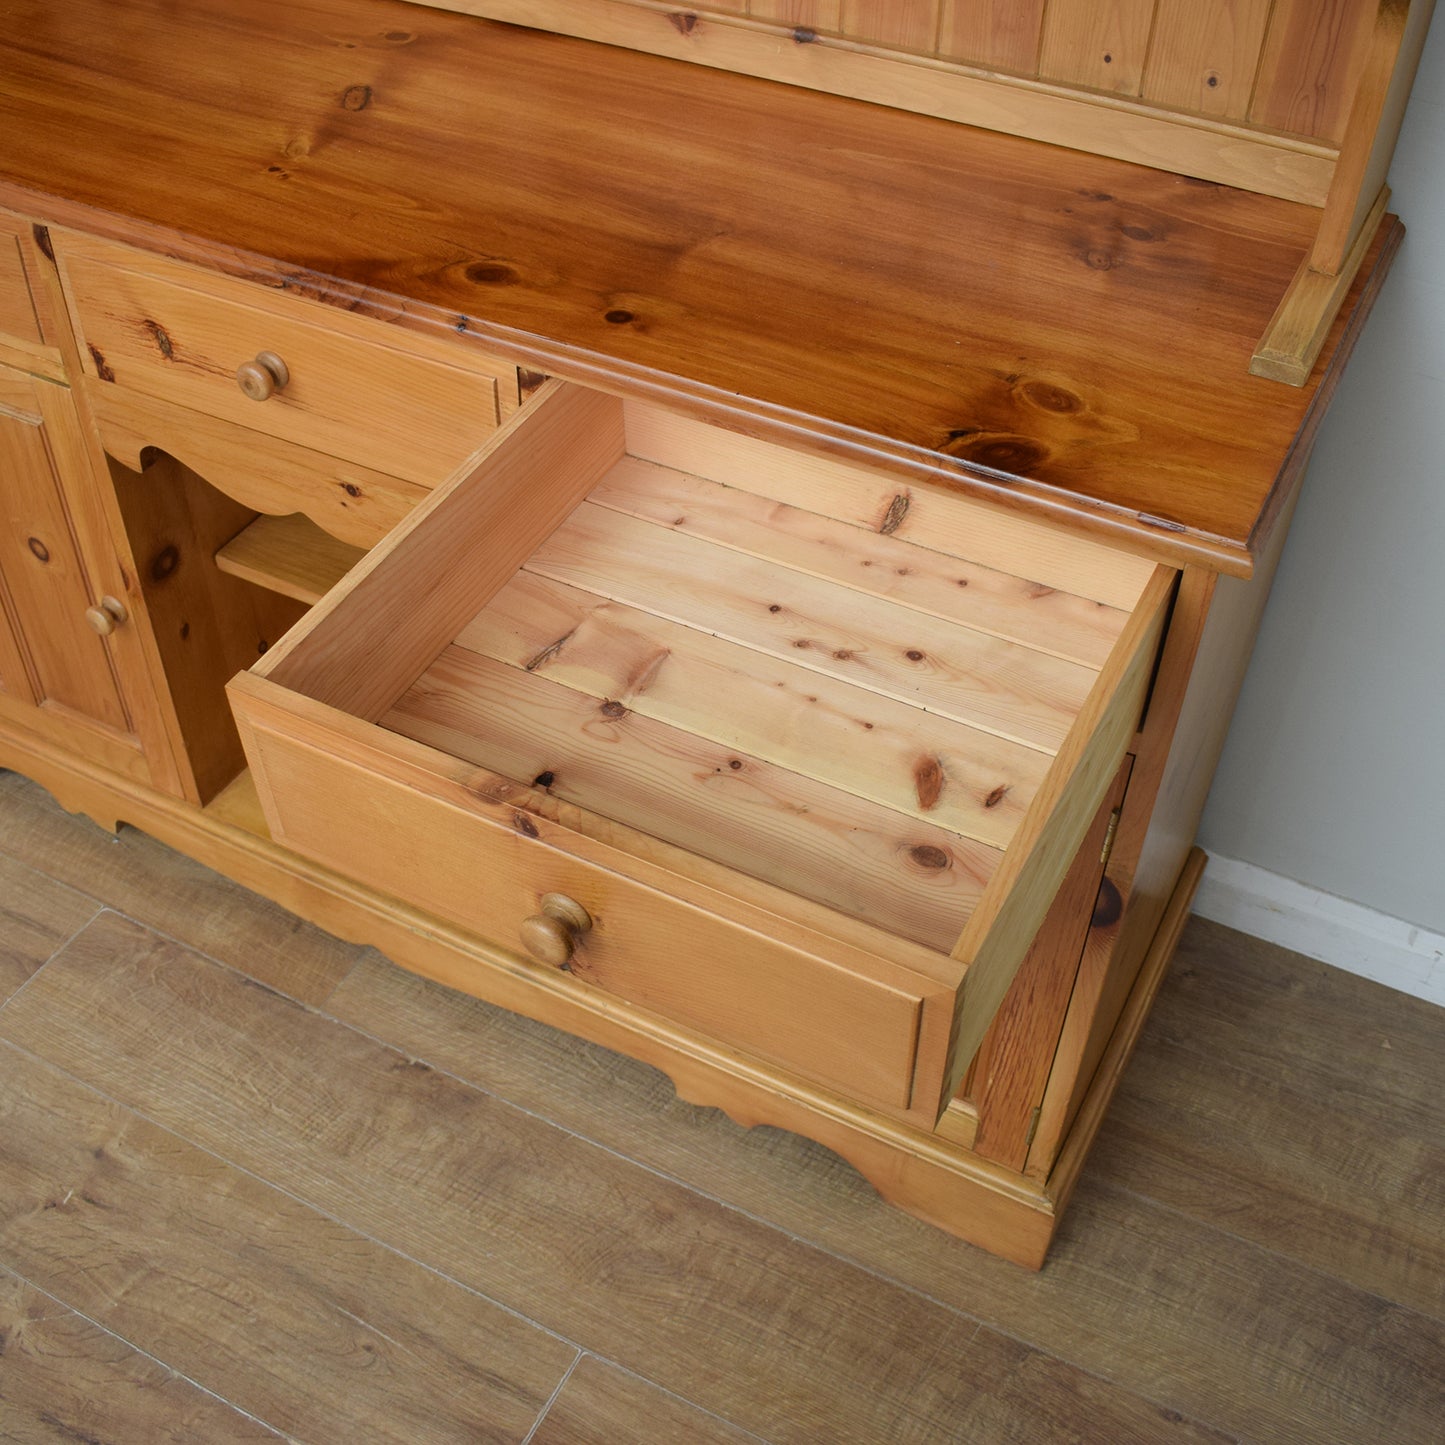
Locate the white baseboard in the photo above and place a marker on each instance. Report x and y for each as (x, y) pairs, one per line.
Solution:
(1319, 925)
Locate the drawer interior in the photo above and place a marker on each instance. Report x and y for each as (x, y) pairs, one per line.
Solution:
(791, 667)
(847, 713)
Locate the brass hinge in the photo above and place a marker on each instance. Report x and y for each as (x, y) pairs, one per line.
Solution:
(1109, 838)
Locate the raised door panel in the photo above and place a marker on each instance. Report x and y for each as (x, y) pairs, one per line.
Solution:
(50, 658)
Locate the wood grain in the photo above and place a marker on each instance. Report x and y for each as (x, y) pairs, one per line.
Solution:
(897, 755)
(819, 14)
(192, 1253)
(290, 555)
(178, 897)
(363, 650)
(207, 625)
(686, 1293)
(351, 502)
(41, 569)
(1102, 44)
(974, 90)
(1008, 1075)
(178, 335)
(18, 318)
(898, 872)
(1218, 1328)
(999, 930)
(1203, 57)
(876, 562)
(1290, 345)
(37, 915)
(1376, 115)
(985, 682)
(738, 179)
(1310, 65)
(824, 1010)
(901, 24)
(1002, 34)
(872, 501)
(600, 1405)
(66, 1379)
(1276, 1147)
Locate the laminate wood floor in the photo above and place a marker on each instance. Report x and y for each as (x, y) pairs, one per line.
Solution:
(258, 1184)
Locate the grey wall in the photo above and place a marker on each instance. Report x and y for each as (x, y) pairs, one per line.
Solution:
(1334, 773)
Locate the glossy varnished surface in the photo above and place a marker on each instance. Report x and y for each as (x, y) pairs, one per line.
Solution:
(1069, 330)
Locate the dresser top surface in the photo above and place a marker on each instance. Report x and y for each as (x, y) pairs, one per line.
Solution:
(1066, 333)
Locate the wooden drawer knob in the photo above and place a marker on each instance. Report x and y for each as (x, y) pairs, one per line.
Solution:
(107, 616)
(264, 376)
(551, 935)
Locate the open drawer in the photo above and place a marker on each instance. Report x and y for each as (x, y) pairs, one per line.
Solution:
(781, 750)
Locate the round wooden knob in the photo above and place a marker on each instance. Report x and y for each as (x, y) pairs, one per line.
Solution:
(551, 935)
(106, 616)
(264, 376)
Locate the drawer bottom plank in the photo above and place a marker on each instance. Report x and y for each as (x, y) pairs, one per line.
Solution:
(913, 878)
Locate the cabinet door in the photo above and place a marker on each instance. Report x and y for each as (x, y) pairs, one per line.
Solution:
(56, 673)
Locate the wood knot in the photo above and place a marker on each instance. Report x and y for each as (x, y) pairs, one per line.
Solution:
(928, 781)
(165, 562)
(1048, 397)
(1004, 453)
(102, 368)
(491, 273)
(928, 855)
(1108, 906)
(350, 488)
(38, 549)
(893, 517)
(162, 339)
(524, 825)
(683, 21)
(612, 709)
(618, 316)
(996, 796)
(356, 97)
(544, 779)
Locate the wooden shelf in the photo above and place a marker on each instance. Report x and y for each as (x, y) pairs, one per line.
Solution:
(238, 804)
(290, 555)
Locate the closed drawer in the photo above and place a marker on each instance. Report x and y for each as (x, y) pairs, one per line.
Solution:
(396, 402)
(814, 775)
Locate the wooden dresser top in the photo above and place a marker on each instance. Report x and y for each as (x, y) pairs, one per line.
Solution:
(1066, 333)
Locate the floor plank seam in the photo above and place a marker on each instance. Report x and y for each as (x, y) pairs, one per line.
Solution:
(1297, 1264)
(681, 1399)
(552, 1398)
(295, 1198)
(806, 1243)
(100, 908)
(144, 1353)
(669, 1178)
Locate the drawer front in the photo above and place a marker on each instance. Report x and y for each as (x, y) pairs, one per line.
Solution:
(347, 386)
(364, 808)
